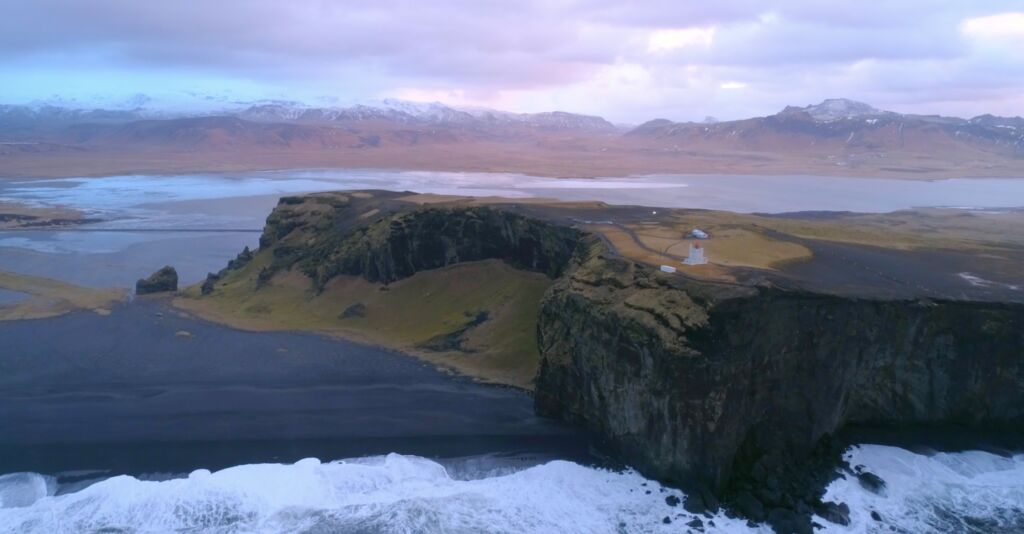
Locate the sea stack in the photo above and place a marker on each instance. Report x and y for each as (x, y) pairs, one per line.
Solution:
(166, 279)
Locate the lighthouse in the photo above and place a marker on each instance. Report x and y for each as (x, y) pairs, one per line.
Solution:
(696, 256)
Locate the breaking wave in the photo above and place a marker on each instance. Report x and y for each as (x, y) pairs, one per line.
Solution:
(961, 492)
(968, 492)
(392, 493)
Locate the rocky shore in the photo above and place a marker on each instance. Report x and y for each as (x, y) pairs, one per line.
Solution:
(734, 389)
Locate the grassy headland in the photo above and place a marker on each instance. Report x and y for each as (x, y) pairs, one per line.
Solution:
(435, 314)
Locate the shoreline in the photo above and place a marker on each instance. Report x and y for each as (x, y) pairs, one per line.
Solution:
(177, 300)
(751, 173)
(284, 394)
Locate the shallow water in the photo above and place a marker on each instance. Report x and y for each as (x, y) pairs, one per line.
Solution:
(110, 259)
(198, 221)
(743, 193)
(11, 297)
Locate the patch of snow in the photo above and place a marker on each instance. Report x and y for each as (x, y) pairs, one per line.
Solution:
(841, 108)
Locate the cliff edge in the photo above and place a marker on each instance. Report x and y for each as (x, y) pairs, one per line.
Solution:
(730, 379)
(732, 387)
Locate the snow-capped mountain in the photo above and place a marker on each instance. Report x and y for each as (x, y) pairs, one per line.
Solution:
(1011, 123)
(434, 113)
(837, 126)
(831, 129)
(838, 108)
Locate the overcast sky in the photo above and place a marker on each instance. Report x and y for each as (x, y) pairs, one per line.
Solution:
(628, 61)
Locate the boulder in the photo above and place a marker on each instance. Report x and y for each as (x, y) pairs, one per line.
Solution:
(209, 284)
(871, 482)
(838, 513)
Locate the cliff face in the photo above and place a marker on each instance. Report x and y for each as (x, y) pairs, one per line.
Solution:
(695, 382)
(397, 245)
(727, 386)
(165, 279)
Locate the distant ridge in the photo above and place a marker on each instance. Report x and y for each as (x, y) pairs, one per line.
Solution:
(835, 136)
(840, 125)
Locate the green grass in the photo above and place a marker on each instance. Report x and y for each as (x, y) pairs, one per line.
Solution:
(405, 315)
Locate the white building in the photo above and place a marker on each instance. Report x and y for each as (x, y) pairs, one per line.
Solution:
(696, 256)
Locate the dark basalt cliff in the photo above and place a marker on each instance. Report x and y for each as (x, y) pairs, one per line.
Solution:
(390, 247)
(729, 386)
(165, 279)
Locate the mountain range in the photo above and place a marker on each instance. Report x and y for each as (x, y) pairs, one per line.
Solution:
(843, 126)
(837, 136)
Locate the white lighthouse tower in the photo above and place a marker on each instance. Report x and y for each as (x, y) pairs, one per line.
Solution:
(696, 256)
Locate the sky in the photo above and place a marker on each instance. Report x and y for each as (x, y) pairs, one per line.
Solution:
(628, 61)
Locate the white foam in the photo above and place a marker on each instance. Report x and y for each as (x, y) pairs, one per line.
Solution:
(969, 491)
(975, 280)
(24, 489)
(393, 493)
(962, 492)
(978, 281)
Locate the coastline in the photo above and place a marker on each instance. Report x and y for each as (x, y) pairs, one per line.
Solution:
(508, 295)
(281, 393)
(199, 313)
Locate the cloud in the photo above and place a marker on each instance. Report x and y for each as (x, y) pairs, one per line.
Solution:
(998, 26)
(674, 39)
(675, 58)
(732, 85)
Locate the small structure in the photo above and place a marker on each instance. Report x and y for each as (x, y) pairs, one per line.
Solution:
(668, 269)
(698, 233)
(696, 256)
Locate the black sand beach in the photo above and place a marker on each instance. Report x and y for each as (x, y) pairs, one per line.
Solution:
(146, 389)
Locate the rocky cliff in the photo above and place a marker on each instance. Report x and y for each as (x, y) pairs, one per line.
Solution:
(163, 280)
(728, 386)
(383, 243)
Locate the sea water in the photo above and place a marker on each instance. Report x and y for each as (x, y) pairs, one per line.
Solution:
(945, 492)
(970, 491)
(392, 493)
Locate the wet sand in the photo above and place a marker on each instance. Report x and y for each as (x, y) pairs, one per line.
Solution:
(146, 389)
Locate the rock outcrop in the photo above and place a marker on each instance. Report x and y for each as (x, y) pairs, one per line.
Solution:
(730, 389)
(729, 386)
(398, 245)
(165, 279)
